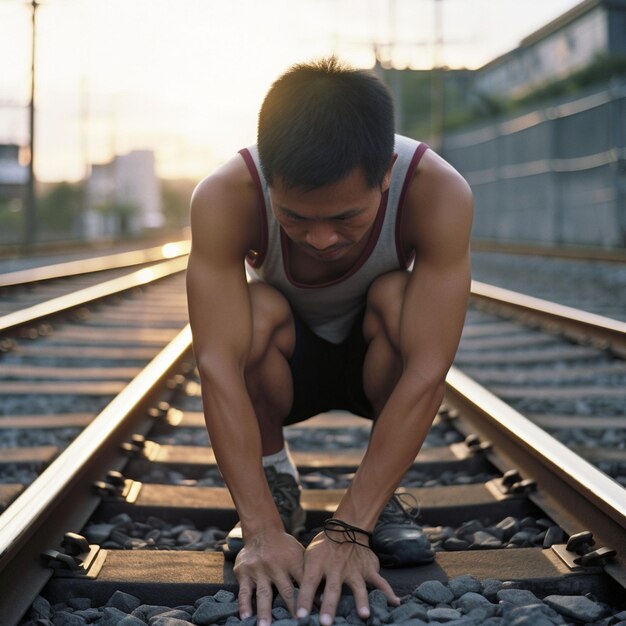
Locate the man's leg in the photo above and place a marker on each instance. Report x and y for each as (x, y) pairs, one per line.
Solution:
(381, 328)
(397, 538)
(267, 373)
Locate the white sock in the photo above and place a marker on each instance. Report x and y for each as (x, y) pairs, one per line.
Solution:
(283, 463)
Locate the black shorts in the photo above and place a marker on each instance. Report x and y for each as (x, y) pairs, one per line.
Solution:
(328, 376)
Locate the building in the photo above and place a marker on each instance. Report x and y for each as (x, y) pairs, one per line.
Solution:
(123, 196)
(13, 175)
(591, 29)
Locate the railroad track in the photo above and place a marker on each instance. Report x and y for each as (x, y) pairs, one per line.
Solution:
(499, 498)
(562, 368)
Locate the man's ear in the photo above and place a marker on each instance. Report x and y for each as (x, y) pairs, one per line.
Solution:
(387, 178)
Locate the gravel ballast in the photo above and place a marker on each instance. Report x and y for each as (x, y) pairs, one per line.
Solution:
(462, 601)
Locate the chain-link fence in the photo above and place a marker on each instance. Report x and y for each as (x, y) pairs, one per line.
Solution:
(556, 175)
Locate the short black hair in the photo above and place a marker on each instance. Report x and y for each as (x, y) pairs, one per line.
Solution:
(321, 120)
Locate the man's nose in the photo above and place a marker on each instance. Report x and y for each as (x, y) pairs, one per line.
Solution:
(321, 236)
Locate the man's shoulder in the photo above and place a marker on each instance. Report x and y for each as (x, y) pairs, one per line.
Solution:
(438, 198)
(231, 182)
(226, 201)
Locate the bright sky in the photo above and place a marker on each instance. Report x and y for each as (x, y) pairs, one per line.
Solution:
(186, 77)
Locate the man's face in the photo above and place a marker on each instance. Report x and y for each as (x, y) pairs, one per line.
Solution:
(330, 221)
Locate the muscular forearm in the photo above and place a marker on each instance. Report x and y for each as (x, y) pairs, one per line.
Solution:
(236, 441)
(396, 439)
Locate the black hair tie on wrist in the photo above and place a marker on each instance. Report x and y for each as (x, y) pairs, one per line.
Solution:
(349, 532)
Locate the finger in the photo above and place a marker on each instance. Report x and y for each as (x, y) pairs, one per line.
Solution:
(378, 581)
(245, 598)
(308, 588)
(361, 599)
(297, 573)
(332, 593)
(263, 603)
(287, 593)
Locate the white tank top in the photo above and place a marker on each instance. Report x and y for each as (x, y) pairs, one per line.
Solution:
(329, 309)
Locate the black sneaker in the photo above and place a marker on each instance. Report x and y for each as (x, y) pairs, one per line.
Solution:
(286, 495)
(397, 539)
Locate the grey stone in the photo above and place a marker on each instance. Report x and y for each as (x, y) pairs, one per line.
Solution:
(480, 613)
(518, 597)
(79, 604)
(454, 544)
(462, 584)
(530, 619)
(224, 595)
(352, 617)
(40, 608)
(211, 612)
(509, 525)
(67, 619)
(345, 605)
(146, 611)
(286, 622)
(491, 586)
(484, 540)
(414, 622)
(530, 612)
(522, 537)
(249, 621)
(189, 536)
(470, 600)
(280, 613)
(407, 611)
(162, 620)
(232, 621)
(98, 533)
(434, 592)
(171, 614)
(377, 598)
(89, 615)
(124, 602)
(579, 607)
(469, 528)
(130, 620)
(620, 616)
(111, 616)
(443, 614)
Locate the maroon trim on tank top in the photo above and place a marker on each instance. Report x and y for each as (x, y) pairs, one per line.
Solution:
(257, 260)
(365, 254)
(417, 157)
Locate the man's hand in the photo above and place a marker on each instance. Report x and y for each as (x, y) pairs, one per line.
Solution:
(269, 558)
(337, 564)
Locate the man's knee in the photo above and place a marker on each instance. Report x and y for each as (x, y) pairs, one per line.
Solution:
(272, 323)
(384, 307)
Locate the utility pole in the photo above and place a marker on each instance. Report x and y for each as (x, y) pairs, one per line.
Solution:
(30, 218)
(437, 85)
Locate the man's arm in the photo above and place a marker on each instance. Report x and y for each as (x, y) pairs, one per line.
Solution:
(438, 224)
(439, 215)
(224, 221)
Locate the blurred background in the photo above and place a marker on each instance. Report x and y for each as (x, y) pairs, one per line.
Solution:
(112, 110)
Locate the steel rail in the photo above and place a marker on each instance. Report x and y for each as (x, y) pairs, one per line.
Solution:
(572, 322)
(63, 304)
(169, 250)
(569, 252)
(599, 500)
(33, 522)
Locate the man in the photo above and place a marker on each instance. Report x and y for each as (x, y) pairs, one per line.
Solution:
(328, 210)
